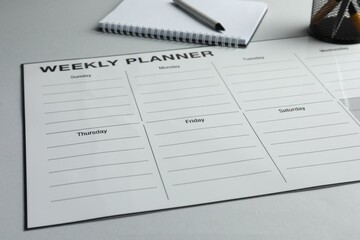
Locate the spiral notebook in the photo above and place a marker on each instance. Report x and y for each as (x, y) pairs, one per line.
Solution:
(160, 19)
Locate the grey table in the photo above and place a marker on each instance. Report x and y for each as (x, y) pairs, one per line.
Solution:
(41, 30)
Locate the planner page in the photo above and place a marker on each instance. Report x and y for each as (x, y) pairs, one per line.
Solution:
(133, 133)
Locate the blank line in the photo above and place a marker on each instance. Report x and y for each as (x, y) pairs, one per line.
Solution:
(208, 152)
(210, 114)
(196, 129)
(80, 129)
(83, 119)
(294, 129)
(85, 90)
(323, 150)
(96, 153)
(90, 108)
(104, 193)
(183, 108)
(322, 164)
(336, 63)
(302, 103)
(184, 98)
(96, 166)
(270, 79)
(312, 115)
(222, 178)
(261, 63)
(264, 71)
(204, 140)
(175, 81)
(287, 96)
(103, 140)
(71, 83)
(311, 139)
(100, 179)
(181, 89)
(157, 74)
(213, 165)
(346, 89)
(343, 80)
(266, 89)
(86, 99)
(341, 71)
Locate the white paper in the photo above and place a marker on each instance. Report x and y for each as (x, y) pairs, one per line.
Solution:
(125, 134)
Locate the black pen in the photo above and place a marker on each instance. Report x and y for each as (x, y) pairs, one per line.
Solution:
(199, 15)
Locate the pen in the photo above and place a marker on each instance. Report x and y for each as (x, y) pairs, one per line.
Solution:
(355, 16)
(344, 4)
(199, 15)
(324, 10)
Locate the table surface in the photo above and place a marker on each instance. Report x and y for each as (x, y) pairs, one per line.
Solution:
(42, 30)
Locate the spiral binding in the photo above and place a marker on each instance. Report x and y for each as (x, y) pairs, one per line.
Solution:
(173, 35)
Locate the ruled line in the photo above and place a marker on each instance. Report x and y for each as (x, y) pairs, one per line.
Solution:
(90, 108)
(83, 119)
(101, 194)
(303, 128)
(287, 96)
(96, 153)
(96, 166)
(274, 88)
(185, 98)
(264, 71)
(270, 79)
(85, 90)
(323, 164)
(346, 89)
(190, 107)
(180, 89)
(204, 140)
(318, 151)
(86, 99)
(306, 116)
(95, 141)
(210, 114)
(343, 80)
(172, 73)
(259, 63)
(221, 178)
(100, 179)
(313, 139)
(340, 71)
(174, 81)
(196, 129)
(209, 152)
(74, 83)
(214, 165)
(89, 128)
(335, 63)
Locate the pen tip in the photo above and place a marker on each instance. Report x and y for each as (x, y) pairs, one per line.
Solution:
(219, 27)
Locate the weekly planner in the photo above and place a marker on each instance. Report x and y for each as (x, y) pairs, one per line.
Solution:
(125, 134)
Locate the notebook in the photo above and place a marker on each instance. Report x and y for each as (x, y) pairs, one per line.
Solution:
(161, 19)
